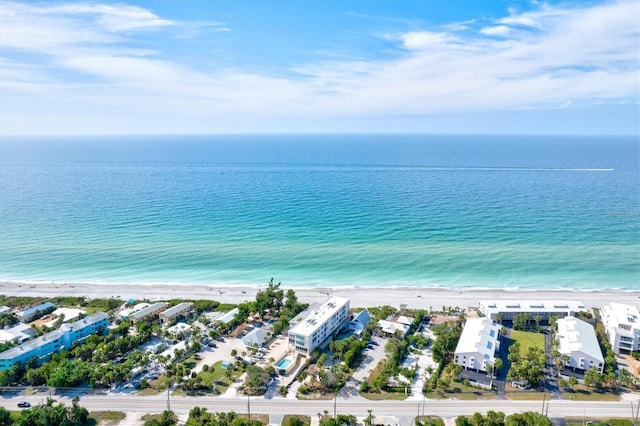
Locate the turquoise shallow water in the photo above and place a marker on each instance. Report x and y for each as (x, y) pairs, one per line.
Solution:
(451, 211)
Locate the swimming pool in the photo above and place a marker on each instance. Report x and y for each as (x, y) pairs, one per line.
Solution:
(283, 363)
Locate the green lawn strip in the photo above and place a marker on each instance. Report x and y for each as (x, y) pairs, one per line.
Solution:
(527, 339)
(598, 421)
(378, 396)
(430, 420)
(527, 395)
(107, 417)
(263, 418)
(306, 420)
(586, 394)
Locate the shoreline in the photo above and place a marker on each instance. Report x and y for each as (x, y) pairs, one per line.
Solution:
(361, 296)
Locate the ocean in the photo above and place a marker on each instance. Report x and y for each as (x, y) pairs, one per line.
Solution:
(503, 212)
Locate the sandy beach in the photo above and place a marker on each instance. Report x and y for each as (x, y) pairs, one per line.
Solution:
(413, 297)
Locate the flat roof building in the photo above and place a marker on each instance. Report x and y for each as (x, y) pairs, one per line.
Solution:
(319, 325)
(181, 310)
(43, 346)
(579, 343)
(622, 323)
(478, 344)
(506, 310)
(18, 333)
(152, 310)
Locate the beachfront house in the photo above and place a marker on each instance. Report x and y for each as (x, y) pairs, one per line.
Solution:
(579, 344)
(150, 312)
(227, 317)
(36, 312)
(478, 344)
(42, 347)
(319, 325)
(359, 322)
(179, 311)
(622, 323)
(506, 310)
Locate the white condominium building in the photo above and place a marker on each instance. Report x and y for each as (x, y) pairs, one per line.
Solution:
(478, 344)
(622, 323)
(43, 346)
(506, 310)
(319, 325)
(579, 343)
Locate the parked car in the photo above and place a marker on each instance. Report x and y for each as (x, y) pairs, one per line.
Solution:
(24, 404)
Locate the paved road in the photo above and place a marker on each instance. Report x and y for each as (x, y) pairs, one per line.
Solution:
(356, 406)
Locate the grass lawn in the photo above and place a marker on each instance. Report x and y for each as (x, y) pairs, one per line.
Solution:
(377, 396)
(430, 420)
(306, 420)
(381, 394)
(583, 393)
(107, 418)
(527, 395)
(216, 376)
(578, 421)
(527, 339)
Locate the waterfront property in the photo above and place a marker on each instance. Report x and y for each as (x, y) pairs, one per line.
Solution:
(506, 310)
(319, 325)
(36, 312)
(622, 323)
(17, 334)
(579, 344)
(478, 344)
(228, 317)
(42, 347)
(390, 328)
(148, 312)
(359, 322)
(181, 310)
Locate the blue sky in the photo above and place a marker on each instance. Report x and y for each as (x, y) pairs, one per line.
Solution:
(261, 66)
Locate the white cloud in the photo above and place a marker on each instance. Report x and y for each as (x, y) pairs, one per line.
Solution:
(498, 30)
(551, 57)
(417, 40)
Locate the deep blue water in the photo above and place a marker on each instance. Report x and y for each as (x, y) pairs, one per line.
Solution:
(483, 211)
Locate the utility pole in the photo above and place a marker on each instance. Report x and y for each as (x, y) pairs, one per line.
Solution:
(249, 406)
(168, 398)
(335, 403)
(544, 397)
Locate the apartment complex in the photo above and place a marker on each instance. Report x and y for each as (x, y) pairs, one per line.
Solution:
(622, 323)
(578, 342)
(478, 344)
(43, 346)
(181, 310)
(36, 312)
(506, 310)
(149, 311)
(319, 325)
